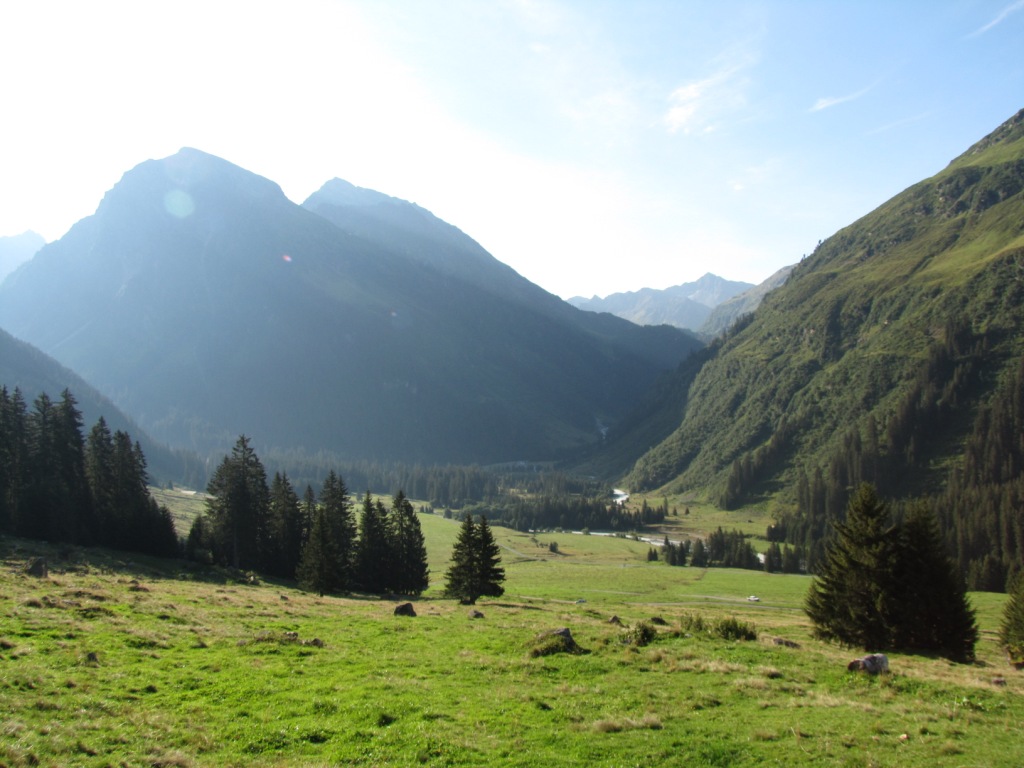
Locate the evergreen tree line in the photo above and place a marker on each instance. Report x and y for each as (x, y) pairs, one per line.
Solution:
(58, 485)
(568, 512)
(451, 486)
(251, 525)
(981, 508)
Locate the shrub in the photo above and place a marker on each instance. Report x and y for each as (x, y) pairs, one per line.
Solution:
(639, 634)
(733, 629)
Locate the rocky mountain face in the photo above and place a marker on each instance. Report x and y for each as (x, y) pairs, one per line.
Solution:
(206, 304)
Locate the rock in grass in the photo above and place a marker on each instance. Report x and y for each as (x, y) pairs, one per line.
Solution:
(404, 609)
(555, 641)
(475, 614)
(37, 567)
(873, 664)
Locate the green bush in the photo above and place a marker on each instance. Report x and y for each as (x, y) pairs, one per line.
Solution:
(639, 634)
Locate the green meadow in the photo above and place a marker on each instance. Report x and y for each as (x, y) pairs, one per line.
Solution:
(116, 660)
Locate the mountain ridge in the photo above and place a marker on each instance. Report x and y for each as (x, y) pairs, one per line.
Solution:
(207, 304)
(686, 306)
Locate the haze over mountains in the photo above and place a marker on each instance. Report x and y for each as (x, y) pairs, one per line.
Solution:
(206, 304)
(17, 249)
(684, 306)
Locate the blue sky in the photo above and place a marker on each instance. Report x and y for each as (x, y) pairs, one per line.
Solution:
(595, 146)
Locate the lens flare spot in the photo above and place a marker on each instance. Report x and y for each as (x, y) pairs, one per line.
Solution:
(286, 257)
(179, 203)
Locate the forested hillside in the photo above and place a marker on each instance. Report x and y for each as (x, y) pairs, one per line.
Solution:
(892, 354)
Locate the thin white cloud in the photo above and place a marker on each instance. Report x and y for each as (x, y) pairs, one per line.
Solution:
(1000, 18)
(831, 101)
(694, 106)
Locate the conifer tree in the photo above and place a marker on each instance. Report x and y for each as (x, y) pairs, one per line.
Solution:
(238, 506)
(931, 612)
(475, 564)
(890, 587)
(699, 557)
(850, 595)
(373, 553)
(1011, 630)
(338, 510)
(410, 572)
(319, 567)
(282, 546)
(14, 451)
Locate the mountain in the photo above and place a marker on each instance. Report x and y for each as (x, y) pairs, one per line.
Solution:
(684, 306)
(16, 250)
(207, 305)
(886, 355)
(24, 367)
(732, 309)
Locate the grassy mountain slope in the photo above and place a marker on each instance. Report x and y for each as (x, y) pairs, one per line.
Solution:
(207, 305)
(915, 308)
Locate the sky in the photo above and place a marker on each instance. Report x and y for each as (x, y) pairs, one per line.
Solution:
(595, 146)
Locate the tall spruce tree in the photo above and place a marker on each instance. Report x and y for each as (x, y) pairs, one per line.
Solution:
(238, 506)
(475, 569)
(282, 546)
(319, 567)
(373, 551)
(334, 497)
(14, 452)
(410, 571)
(930, 609)
(881, 586)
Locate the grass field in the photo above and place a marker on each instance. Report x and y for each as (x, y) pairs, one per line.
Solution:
(118, 660)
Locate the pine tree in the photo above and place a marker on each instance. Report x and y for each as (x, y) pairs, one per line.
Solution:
(411, 575)
(849, 597)
(930, 610)
(1011, 630)
(99, 470)
(699, 557)
(475, 564)
(238, 506)
(14, 452)
(319, 567)
(338, 510)
(373, 553)
(890, 587)
(282, 546)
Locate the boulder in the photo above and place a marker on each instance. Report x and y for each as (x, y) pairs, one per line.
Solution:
(404, 609)
(475, 614)
(873, 664)
(37, 567)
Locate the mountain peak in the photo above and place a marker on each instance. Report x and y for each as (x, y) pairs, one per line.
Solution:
(343, 193)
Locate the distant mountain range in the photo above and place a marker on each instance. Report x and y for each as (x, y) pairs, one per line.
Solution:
(17, 249)
(688, 305)
(206, 304)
